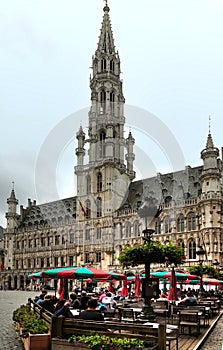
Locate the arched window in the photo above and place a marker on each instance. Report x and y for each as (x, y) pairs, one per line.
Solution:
(167, 224)
(136, 229)
(99, 207)
(112, 66)
(88, 184)
(103, 64)
(88, 209)
(127, 230)
(192, 249)
(158, 226)
(180, 223)
(112, 101)
(99, 182)
(191, 222)
(103, 100)
(180, 242)
(102, 144)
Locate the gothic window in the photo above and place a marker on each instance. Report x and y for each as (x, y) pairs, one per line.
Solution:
(62, 262)
(180, 223)
(48, 262)
(112, 101)
(28, 263)
(102, 100)
(57, 240)
(112, 65)
(42, 262)
(71, 238)
(98, 234)
(167, 224)
(99, 207)
(98, 257)
(56, 261)
(99, 182)
(88, 184)
(192, 249)
(158, 226)
(103, 64)
(121, 230)
(87, 258)
(71, 260)
(181, 243)
(88, 209)
(42, 241)
(87, 234)
(191, 222)
(136, 229)
(102, 144)
(127, 230)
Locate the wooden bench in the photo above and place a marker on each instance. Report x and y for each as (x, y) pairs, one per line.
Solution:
(61, 327)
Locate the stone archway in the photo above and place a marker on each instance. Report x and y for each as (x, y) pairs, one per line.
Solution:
(15, 282)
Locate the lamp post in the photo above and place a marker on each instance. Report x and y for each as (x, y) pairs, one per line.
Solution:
(200, 252)
(150, 285)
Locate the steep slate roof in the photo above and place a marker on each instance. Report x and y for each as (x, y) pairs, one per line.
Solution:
(179, 185)
(49, 213)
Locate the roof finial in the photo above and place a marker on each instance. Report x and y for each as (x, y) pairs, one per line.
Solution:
(106, 8)
(209, 124)
(13, 185)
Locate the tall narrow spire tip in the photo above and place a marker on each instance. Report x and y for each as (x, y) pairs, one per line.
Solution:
(209, 124)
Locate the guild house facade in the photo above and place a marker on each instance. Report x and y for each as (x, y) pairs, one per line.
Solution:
(110, 208)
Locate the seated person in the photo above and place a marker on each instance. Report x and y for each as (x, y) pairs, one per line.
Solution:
(190, 299)
(91, 313)
(162, 297)
(74, 301)
(62, 308)
(84, 300)
(108, 300)
(48, 303)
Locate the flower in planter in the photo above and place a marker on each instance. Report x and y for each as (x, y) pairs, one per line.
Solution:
(29, 322)
(103, 342)
(151, 252)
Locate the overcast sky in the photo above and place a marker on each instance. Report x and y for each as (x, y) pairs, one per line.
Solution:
(171, 59)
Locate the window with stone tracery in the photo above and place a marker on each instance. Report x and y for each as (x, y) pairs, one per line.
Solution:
(192, 249)
(180, 223)
(191, 221)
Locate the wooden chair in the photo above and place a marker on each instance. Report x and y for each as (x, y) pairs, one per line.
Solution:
(189, 320)
(126, 314)
(172, 337)
(111, 315)
(161, 308)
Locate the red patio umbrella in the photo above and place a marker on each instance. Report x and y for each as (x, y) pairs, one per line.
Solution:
(172, 293)
(63, 289)
(124, 291)
(137, 286)
(83, 273)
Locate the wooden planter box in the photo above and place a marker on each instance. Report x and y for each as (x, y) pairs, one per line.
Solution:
(37, 342)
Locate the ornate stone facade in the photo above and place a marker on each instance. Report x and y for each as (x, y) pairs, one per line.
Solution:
(110, 209)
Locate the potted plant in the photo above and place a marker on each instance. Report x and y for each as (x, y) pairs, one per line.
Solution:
(32, 329)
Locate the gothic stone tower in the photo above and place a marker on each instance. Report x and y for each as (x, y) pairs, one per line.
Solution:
(103, 182)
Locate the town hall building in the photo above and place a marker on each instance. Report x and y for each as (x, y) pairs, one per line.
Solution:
(111, 208)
